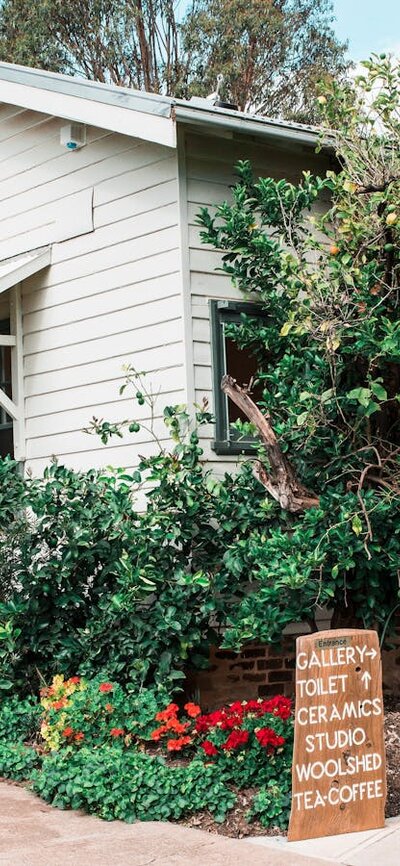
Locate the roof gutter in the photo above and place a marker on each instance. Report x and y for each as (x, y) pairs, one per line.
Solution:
(238, 122)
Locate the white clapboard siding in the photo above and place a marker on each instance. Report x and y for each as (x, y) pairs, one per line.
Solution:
(127, 454)
(72, 436)
(41, 294)
(210, 174)
(168, 356)
(112, 295)
(86, 397)
(128, 342)
(107, 302)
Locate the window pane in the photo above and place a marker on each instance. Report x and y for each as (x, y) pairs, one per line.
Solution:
(242, 366)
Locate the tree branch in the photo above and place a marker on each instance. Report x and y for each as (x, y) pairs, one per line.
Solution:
(280, 480)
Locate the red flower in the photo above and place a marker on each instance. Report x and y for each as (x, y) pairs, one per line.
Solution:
(169, 712)
(155, 735)
(74, 680)
(231, 722)
(235, 740)
(176, 726)
(109, 708)
(117, 732)
(177, 745)
(106, 687)
(237, 707)
(79, 736)
(58, 705)
(269, 739)
(67, 732)
(192, 710)
(209, 748)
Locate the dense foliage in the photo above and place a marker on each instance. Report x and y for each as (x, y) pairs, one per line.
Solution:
(329, 363)
(270, 53)
(118, 754)
(94, 584)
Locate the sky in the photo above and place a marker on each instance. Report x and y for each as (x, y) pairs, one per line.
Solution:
(368, 25)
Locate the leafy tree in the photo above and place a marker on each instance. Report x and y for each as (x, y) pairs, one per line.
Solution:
(329, 363)
(270, 53)
(125, 42)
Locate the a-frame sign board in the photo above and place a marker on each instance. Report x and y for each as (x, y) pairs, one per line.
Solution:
(339, 777)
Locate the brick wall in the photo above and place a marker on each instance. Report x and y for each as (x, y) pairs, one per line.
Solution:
(256, 672)
(259, 671)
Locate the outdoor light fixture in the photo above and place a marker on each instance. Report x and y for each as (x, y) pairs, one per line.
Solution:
(73, 136)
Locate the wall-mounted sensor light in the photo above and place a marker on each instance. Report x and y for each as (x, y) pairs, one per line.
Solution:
(73, 136)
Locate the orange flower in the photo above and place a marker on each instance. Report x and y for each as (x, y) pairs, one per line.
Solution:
(170, 711)
(106, 687)
(192, 710)
(157, 733)
(117, 732)
(67, 732)
(74, 680)
(177, 745)
(109, 708)
(79, 736)
(176, 726)
(58, 705)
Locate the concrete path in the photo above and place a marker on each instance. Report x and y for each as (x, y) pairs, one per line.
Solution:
(370, 848)
(34, 834)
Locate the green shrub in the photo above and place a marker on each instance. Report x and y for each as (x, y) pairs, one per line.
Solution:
(19, 719)
(98, 587)
(130, 785)
(17, 761)
(271, 805)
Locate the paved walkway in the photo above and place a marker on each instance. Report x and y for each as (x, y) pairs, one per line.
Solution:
(369, 848)
(34, 834)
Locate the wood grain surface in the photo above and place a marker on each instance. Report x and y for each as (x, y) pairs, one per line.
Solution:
(338, 775)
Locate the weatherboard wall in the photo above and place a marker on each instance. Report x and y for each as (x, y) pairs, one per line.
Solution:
(112, 294)
(210, 162)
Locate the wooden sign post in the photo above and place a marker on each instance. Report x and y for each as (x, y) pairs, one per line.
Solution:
(338, 775)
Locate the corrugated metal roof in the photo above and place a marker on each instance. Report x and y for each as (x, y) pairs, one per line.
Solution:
(127, 99)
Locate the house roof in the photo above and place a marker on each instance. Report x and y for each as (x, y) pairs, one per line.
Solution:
(132, 112)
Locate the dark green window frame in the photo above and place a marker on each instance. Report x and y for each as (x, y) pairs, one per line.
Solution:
(227, 439)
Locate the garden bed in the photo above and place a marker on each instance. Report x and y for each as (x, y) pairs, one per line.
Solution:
(236, 825)
(117, 756)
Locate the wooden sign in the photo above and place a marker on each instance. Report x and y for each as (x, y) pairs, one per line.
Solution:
(338, 775)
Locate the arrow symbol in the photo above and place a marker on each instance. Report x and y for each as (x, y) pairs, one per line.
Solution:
(366, 677)
(372, 653)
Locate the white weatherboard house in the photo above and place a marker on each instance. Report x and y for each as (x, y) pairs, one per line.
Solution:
(101, 262)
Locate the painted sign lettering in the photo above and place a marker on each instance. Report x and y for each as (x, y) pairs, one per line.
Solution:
(338, 776)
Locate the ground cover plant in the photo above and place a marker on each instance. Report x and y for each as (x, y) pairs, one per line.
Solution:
(91, 745)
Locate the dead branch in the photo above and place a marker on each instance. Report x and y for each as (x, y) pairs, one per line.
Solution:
(280, 480)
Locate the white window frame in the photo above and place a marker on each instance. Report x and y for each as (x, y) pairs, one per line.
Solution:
(15, 407)
(12, 272)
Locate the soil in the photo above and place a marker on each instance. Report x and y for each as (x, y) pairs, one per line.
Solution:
(237, 826)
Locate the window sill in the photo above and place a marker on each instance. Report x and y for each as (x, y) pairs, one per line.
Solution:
(225, 447)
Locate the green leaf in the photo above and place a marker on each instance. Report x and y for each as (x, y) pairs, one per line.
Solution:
(356, 525)
(379, 391)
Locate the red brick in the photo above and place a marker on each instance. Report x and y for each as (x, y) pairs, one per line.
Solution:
(254, 678)
(254, 653)
(280, 677)
(269, 664)
(266, 691)
(244, 666)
